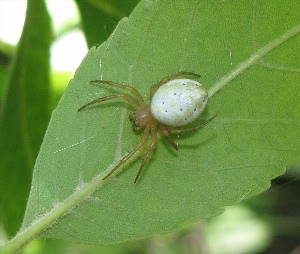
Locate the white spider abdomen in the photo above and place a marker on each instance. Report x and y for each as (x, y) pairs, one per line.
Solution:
(178, 102)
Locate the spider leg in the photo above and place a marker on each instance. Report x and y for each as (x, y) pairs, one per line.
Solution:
(148, 153)
(166, 132)
(184, 130)
(128, 98)
(135, 92)
(155, 86)
(131, 153)
(178, 74)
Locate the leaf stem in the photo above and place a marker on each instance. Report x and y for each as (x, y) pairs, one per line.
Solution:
(225, 80)
(48, 219)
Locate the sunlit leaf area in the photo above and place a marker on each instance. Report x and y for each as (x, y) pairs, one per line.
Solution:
(230, 187)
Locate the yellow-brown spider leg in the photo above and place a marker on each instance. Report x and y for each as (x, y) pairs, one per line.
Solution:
(184, 130)
(155, 86)
(131, 153)
(128, 98)
(148, 153)
(166, 132)
(135, 92)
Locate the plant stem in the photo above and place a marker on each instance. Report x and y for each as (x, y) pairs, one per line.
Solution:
(44, 222)
(259, 54)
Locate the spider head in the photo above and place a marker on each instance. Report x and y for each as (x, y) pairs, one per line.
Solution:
(142, 117)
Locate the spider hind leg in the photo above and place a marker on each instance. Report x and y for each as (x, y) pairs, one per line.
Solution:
(194, 128)
(155, 86)
(166, 132)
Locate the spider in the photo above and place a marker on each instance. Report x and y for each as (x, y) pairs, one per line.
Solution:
(173, 103)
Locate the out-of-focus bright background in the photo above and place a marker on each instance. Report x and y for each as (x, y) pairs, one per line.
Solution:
(68, 50)
(261, 225)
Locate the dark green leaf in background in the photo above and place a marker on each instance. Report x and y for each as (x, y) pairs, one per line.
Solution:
(253, 138)
(24, 115)
(6, 52)
(99, 17)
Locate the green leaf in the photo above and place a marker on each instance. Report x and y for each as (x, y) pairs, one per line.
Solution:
(253, 138)
(99, 17)
(24, 115)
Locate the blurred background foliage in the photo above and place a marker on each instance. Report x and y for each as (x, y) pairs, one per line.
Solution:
(34, 71)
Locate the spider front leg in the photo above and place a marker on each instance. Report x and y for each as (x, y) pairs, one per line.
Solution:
(135, 92)
(155, 86)
(148, 153)
(129, 99)
(131, 153)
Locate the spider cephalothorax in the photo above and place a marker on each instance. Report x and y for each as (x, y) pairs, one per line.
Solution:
(143, 117)
(173, 103)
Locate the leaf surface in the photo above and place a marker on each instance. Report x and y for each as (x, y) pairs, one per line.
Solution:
(253, 138)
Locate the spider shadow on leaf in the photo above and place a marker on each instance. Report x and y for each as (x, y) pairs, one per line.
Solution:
(182, 144)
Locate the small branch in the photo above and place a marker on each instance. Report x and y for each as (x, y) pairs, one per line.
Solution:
(224, 81)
